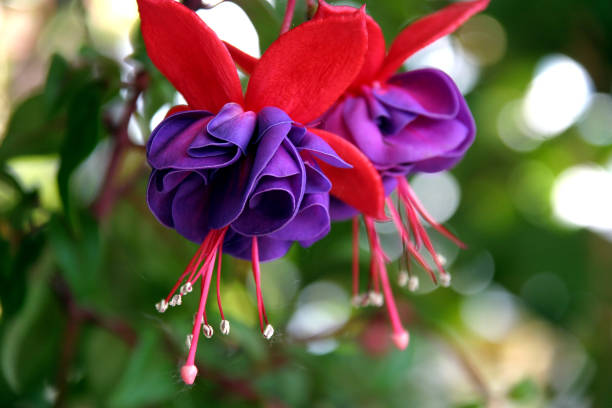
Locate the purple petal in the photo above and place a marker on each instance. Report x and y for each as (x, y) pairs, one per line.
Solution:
(428, 92)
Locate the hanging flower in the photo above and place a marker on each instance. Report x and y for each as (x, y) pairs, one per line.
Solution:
(241, 174)
(406, 123)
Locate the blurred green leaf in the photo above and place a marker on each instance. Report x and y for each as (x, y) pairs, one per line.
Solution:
(18, 333)
(82, 136)
(30, 131)
(77, 253)
(146, 379)
(58, 80)
(13, 272)
(524, 391)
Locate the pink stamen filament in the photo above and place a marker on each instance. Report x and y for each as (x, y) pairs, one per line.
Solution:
(406, 238)
(257, 277)
(409, 195)
(400, 336)
(189, 371)
(219, 282)
(355, 256)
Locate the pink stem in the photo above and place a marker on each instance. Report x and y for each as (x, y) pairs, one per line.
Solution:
(288, 16)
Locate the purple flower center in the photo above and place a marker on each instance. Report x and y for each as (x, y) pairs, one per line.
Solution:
(255, 173)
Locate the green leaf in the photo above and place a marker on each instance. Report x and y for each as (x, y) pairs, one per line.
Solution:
(264, 18)
(82, 136)
(30, 131)
(58, 79)
(146, 380)
(13, 273)
(524, 391)
(78, 254)
(17, 354)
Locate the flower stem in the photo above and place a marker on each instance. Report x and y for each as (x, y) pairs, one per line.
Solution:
(288, 16)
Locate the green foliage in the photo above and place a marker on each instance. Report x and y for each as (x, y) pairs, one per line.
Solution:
(82, 136)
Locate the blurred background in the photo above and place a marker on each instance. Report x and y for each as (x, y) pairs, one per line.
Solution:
(527, 321)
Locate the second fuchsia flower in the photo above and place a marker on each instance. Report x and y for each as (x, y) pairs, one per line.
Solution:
(406, 123)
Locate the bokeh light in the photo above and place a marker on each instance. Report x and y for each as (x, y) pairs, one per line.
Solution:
(558, 94)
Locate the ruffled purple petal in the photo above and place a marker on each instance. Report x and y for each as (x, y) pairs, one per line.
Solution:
(255, 173)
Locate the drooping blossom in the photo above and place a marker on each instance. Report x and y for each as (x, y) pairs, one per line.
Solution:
(240, 174)
(406, 123)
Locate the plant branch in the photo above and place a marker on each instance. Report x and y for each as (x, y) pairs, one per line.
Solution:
(288, 16)
(108, 193)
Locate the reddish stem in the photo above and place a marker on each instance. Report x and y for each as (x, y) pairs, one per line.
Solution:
(288, 16)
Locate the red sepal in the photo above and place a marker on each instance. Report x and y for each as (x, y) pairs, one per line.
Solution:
(376, 42)
(360, 186)
(308, 68)
(245, 61)
(189, 54)
(427, 30)
(177, 109)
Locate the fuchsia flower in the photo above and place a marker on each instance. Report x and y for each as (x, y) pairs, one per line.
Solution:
(241, 174)
(406, 123)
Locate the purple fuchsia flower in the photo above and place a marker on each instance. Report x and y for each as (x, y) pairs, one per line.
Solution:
(406, 123)
(241, 174)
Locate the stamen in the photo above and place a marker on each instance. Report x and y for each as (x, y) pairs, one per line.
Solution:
(445, 280)
(176, 300)
(355, 257)
(186, 288)
(161, 306)
(413, 283)
(225, 327)
(188, 340)
(400, 335)
(375, 299)
(257, 277)
(409, 194)
(219, 289)
(403, 278)
(268, 332)
(359, 300)
(208, 331)
(215, 238)
(405, 237)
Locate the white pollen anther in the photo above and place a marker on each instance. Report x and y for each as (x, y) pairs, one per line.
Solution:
(268, 332)
(445, 280)
(441, 259)
(359, 300)
(403, 278)
(413, 283)
(176, 300)
(188, 340)
(186, 288)
(161, 306)
(208, 331)
(376, 299)
(225, 327)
